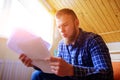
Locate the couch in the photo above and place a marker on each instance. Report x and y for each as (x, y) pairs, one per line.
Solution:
(15, 70)
(116, 69)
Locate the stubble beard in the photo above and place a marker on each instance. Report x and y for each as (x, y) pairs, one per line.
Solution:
(71, 39)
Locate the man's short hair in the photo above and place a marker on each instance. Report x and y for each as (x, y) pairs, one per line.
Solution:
(66, 11)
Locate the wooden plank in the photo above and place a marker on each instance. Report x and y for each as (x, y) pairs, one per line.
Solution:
(105, 14)
(111, 37)
(88, 16)
(101, 26)
(51, 4)
(99, 12)
(116, 37)
(83, 22)
(63, 3)
(85, 17)
(59, 3)
(116, 8)
(113, 21)
(117, 2)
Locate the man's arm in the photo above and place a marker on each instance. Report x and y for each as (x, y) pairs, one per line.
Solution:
(100, 57)
(60, 67)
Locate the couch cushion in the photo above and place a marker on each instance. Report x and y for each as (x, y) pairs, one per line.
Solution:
(116, 69)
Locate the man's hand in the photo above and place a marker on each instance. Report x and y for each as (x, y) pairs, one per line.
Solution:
(60, 67)
(27, 61)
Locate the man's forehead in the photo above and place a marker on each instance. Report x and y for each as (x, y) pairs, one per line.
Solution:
(62, 21)
(63, 18)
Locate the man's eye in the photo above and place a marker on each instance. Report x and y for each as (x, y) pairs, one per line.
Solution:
(65, 25)
(58, 26)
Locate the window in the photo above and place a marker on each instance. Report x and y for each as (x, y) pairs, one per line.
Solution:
(26, 14)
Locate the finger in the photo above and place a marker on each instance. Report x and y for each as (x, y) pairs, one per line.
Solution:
(54, 63)
(22, 55)
(27, 60)
(47, 59)
(54, 69)
(23, 58)
(29, 63)
(53, 59)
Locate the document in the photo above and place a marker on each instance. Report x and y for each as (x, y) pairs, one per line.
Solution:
(32, 46)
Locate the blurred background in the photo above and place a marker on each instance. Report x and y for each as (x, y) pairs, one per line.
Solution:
(37, 16)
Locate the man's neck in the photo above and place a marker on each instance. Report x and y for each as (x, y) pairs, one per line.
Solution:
(76, 37)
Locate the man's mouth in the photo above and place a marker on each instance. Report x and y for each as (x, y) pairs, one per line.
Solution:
(64, 35)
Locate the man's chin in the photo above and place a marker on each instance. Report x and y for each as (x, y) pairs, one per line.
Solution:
(67, 41)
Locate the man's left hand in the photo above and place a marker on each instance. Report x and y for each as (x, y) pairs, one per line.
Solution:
(60, 67)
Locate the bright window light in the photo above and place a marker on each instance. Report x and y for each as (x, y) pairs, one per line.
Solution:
(26, 14)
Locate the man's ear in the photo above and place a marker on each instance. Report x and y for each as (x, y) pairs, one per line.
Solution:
(76, 22)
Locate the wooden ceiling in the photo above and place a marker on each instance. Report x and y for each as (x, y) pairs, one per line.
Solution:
(98, 16)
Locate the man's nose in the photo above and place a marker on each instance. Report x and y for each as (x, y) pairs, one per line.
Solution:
(62, 29)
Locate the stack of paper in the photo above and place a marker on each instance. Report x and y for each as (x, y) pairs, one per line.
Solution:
(32, 46)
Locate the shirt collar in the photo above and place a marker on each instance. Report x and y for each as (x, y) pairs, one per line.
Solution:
(79, 40)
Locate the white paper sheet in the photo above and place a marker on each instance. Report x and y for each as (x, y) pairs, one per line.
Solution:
(32, 46)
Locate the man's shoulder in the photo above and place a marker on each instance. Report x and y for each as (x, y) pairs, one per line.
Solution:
(90, 35)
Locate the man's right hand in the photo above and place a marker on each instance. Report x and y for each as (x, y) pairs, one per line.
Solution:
(26, 61)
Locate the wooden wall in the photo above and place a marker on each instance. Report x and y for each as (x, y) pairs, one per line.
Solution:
(99, 16)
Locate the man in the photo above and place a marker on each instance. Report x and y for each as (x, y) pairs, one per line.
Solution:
(81, 55)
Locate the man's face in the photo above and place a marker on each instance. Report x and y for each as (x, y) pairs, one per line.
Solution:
(67, 27)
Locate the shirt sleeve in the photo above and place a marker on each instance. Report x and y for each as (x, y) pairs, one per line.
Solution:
(100, 57)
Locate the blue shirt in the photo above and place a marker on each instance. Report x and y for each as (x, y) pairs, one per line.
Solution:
(89, 56)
